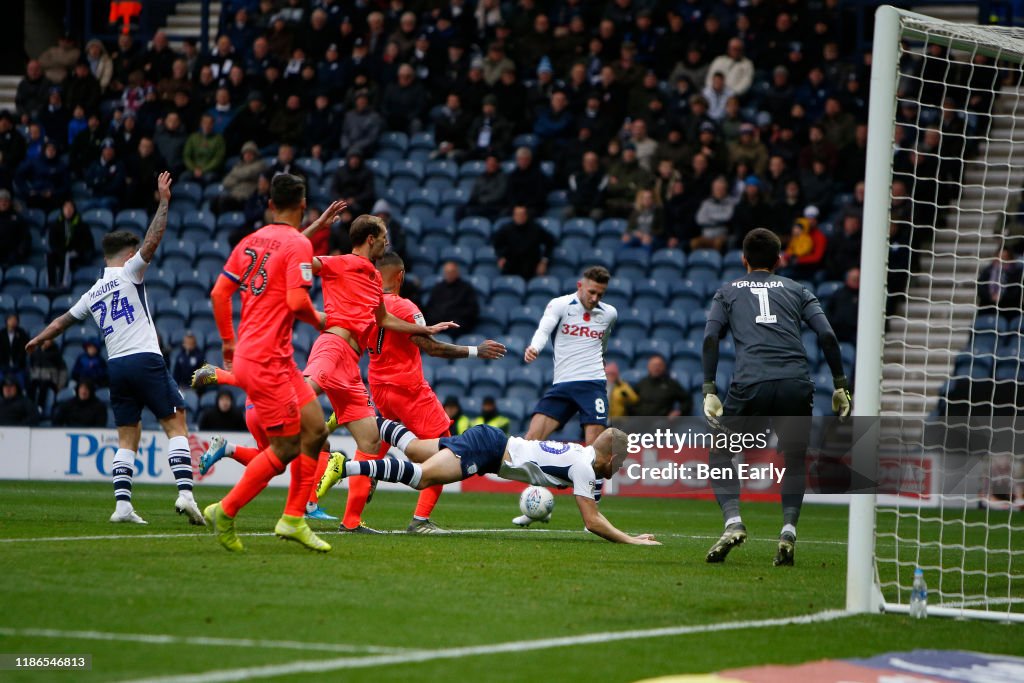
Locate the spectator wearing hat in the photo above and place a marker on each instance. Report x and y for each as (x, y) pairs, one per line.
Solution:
(495, 63)
(538, 95)
(240, 182)
(362, 126)
(451, 123)
(805, 254)
(82, 88)
(57, 60)
(523, 246)
(693, 66)
(204, 152)
(33, 91)
(16, 410)
(453, 409)
(84, 409)
(490, 132)
(776, 97)
(490, 416)
(157, 62)
(452, 298)
(749, 150)
(625, 178)
(90, 365)
(353, 182)
(489, 195)
(13, 358)
(105, 178)
(223, 415)
(100, 64)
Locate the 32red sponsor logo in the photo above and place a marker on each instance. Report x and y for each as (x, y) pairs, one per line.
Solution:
(581, 331)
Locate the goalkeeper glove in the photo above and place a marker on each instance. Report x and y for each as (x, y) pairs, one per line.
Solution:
(841, 398)
(712, 405)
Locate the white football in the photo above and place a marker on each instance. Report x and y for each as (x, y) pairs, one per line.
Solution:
(536, 502)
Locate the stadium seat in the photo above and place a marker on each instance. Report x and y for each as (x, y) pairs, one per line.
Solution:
(424, 141)
(181, 249)
(192, 290)
(199, 220)
(492, 321)
(598, 257)
(408, 168)
(213, 191)
(688, 369)
(651, 294)
(704, 264)
(173, 308)
(648, 347)
(99, 218)
(471, 169)
(423, 196)
(621, 351)
(381, 167)
(526, 140)
(698, 318)
(633, 324)
(687, 349)
(508, 290)
(558, 199)
(523, 321)
(475, 225)
(421, 254)
(612, 227)
(34, 303)
(515, 409)
(686, 294)
(546, 287)
(989, 321)
(552, 225)
(131, 219)
(481, 284)
(231, 220)
(189, 191)
(442, 168)
(313, 168)
(488, 379)
(849, 354)
(580, 227)
(393, 140)
(547, 167)
(58, 306)
(463, 256)
(733, 259)
(440, 185)
(672, 322)
(452, 379)
(20, 280)
(827, 289)
(620, 286)
(731, 274)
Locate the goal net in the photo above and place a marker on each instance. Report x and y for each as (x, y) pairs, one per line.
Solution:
(940, 363)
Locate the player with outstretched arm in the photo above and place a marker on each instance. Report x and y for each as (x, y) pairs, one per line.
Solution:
(765, 312)
(138, 374)
(483, 449)
(579, 325)
(272, 269)
(397, 385)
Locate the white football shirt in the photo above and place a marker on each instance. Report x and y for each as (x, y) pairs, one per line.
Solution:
(551, 463)
(118, 304)
(581, 337)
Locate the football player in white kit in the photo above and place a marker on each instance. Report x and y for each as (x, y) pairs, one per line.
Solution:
(138, 374)
(487, 450)
(580, 324)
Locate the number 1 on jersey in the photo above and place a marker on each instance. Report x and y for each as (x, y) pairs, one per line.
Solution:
(766, 317)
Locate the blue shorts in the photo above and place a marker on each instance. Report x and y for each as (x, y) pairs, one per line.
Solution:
(142, 380)
(589, 398)
(480, 449)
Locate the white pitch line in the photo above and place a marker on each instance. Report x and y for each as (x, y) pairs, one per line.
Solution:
(515, 646)
(167, 639)
(127, 537)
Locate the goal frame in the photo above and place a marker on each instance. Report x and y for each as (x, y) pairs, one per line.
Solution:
(863, 593)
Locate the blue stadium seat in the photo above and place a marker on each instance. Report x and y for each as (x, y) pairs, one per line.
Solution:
(393, 140)
(687, 368)
(523, 320)
(511, 287)
(423, 196)
(698, 318)
(20, 280)
(672, 322)
(199, 220)
(475, 225)
(189, 191)
(513, 408)
(58, 306)
(411, 225)
(574, 247)
(704, 264)
(526, 140)
(811, 350)
(486, 254)
(460, 255)
(488, 379)
(194, 290)
(212, 191)
(733, 259)
(34, 303)
(621, 287)
(313, 168)
(827, 289)
(454, 197)
(687, 349)
(822, 402)
(649, 347)
(173, 308)
(598, 257)
(633, 324)
(580, 227)
(546, 287)
(101, 218)
(408, 168)
(612, 227)
(552, 225)
(424, 141)
(36, 218)
(381, 167)
(492, 321)
(452, 379)
(621, 351)
(471, 169)
(687, 294)
(547, 167)
(558, 199)
(422, 254)
(989, 321)
(731, 274)
(650, 293)
(442, 168)
(131, 219)
(849, 354)
(404, 184)
(481, 284)
(178, 248)
(232, 220)
(565, 255)
(639, 257)
(439, 185)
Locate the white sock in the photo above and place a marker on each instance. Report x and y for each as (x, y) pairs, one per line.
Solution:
(733, 520)
(229, 449)
(123, 507)
(187, 495)
(789, 529)
(311, 507)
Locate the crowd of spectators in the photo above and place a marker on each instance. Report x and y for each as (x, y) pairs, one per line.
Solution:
(692, 121)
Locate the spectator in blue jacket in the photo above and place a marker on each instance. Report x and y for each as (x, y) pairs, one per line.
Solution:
(90, 366)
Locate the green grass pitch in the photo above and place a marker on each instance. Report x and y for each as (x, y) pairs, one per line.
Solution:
(156, 599)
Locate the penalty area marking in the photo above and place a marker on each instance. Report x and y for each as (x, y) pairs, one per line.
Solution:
(167, 639)
(515, 646)
(254, 534)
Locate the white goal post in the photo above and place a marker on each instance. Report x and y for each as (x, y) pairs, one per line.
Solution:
(972, 553)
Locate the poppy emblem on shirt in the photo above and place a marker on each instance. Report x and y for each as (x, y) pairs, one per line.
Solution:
(586, 317)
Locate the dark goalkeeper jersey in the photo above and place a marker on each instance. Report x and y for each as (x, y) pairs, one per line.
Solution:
(764, 312)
